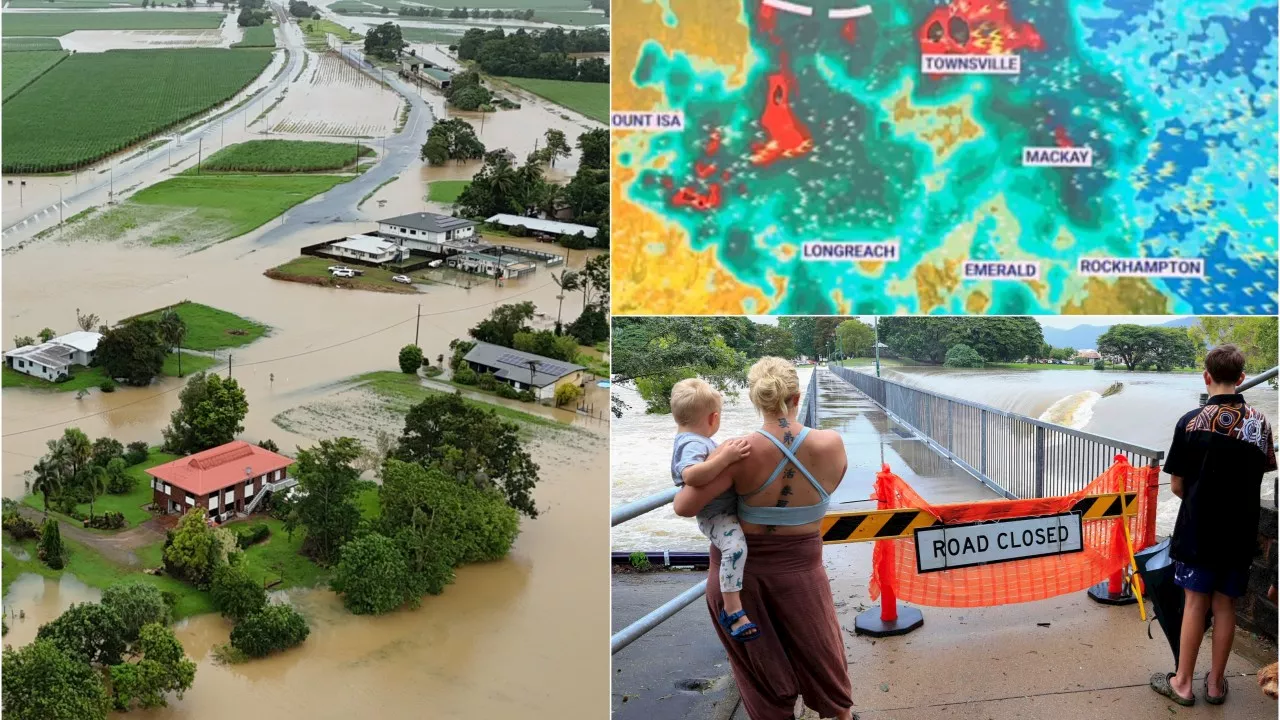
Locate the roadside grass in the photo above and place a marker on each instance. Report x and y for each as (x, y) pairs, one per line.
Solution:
(590, 99)
(206, 208)
(374, 191)
(60, 23)
(131, 503)
(283, 156)
(89, 378)
(20, 69)
(315, 271)
(446, 191)
(403, 391)
(209, 328)
(260, 36)
(316, 30)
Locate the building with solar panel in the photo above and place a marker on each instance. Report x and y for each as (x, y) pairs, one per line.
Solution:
(424, 233)
(524, 371)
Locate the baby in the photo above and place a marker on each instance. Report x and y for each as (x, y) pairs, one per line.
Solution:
(696, 461)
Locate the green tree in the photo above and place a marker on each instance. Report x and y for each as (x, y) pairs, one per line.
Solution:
(137, 604)
(410, 359)
(557, 145)
(51, 550)
(1171, 348)
(133, 352)
(90, 631)
(1131, 343)
(547, 344)
(96, 484)
(161, 667)
(1061, 354)
(172, 328)
(471, 443)
(372, 576)
(503, 323)
(594, 145)
(235, 594)
(855, 338)
(118, 479)
(384, 41)
(804, 332)
(195, 550)
(568, 394)
(595, 277)
(326, 506)
(591, 326)
(42, 682)
(46, 480)
(775, 341)
(211, 412)
(273, 628)
(963, 356)
(1254, 336)
(657, 352)
(46, 335)
(104, 449)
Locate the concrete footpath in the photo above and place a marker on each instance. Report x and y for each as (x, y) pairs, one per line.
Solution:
(1058, 658)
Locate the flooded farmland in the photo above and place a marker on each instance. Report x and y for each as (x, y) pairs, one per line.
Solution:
(514, 637)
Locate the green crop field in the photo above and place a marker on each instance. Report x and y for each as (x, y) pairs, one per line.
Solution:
(121, 98)
(27, 44)
(61, 23)
(20, 69)
(260, 36)
(430, 35)
(590, 99)
(68, 4)
(284, 156)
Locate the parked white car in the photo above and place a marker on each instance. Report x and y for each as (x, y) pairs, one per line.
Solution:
(335, 268)
(405, 279)
(344, 273)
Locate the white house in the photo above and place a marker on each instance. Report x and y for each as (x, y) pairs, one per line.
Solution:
(369, 248)
(505, 266)
(432, 233)
(53, 360)
(549, 227)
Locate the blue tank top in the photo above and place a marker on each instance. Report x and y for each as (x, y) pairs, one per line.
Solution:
(802, 515)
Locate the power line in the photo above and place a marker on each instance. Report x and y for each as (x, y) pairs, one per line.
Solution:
(272, 360)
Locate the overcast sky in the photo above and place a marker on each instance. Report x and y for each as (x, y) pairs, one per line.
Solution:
(1061, 322)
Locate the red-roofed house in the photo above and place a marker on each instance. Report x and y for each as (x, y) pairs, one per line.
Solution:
(228, 479)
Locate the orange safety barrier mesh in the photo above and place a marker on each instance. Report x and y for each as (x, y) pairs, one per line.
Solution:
(1105, 553)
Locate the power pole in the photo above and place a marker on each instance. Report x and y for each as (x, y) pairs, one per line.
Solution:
(877, 327)
(179, 358)
(200, 156)
(228, 366)
(417, 326)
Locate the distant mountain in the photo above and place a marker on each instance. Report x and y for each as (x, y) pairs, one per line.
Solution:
(1083, 337)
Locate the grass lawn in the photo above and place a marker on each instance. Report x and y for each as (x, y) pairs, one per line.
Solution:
(83, 378)
(316, 30)
(131, 504)
(209, 328)
(405, 390)
(226, 206)
(259, 36)
(26, 44)
(97, 571)
(61, 23)
(20, 69)
(446, 191)
(315, 271)
(590, 99)
(284, 156)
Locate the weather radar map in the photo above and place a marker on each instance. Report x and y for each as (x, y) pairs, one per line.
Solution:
(921, 156)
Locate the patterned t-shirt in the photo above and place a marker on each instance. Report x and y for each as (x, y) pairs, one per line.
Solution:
(1221, 451)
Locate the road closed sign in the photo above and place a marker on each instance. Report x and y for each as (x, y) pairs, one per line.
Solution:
(946, 547)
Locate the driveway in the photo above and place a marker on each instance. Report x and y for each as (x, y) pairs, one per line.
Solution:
(116, 547)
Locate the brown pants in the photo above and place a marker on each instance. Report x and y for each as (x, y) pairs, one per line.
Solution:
(800, 650)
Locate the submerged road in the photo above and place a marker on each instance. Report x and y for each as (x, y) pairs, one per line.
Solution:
(96, 187)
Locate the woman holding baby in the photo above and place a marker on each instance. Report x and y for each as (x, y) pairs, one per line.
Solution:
(783, 481)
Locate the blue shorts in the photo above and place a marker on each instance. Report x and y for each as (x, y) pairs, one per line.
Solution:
(1227, 582)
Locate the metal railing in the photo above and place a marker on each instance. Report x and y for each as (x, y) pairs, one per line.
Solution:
(1014, 455)
(629, 511)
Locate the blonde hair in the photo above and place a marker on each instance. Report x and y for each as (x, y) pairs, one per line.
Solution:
(692, 398)
(772, 382)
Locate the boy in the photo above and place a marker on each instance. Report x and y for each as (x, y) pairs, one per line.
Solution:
(1216, 462)
(696, 461)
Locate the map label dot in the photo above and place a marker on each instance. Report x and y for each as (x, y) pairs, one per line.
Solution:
(946, 64)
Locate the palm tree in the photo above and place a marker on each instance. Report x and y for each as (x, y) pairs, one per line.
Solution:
(567, 281)
(79, 449)
(48, 481)
(95, 479)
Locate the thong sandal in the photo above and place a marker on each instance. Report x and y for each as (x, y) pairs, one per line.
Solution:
(1160, 683)
(746, 633)
(1215, 699)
